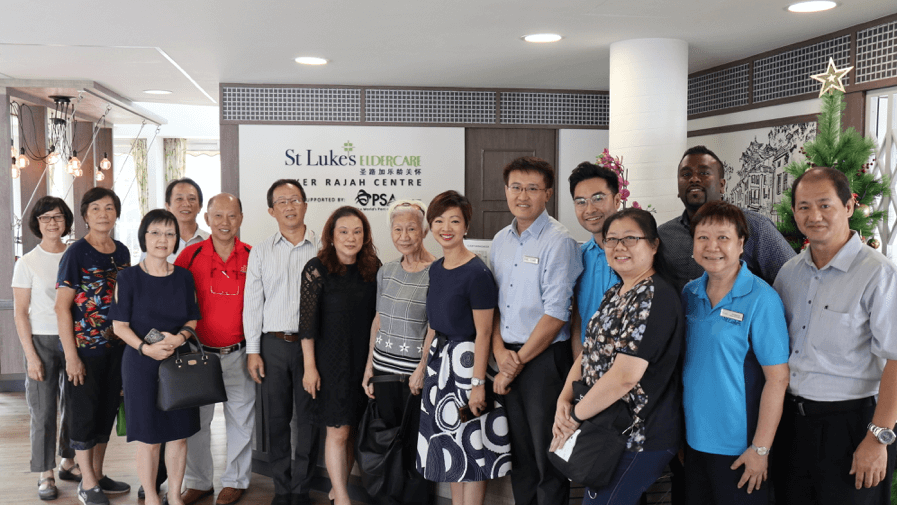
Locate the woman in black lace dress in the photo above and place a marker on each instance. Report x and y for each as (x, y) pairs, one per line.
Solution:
(337, 307)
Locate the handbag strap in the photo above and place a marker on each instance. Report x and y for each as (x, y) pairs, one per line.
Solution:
(193, 336)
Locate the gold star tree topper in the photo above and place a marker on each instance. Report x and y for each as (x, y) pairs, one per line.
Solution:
(831, 79)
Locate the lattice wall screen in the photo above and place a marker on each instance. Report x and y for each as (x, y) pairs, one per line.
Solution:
(881, 111)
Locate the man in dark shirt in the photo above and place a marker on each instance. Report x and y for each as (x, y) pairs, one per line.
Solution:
(701, 180)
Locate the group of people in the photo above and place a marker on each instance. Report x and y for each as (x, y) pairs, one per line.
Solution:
(738, 361)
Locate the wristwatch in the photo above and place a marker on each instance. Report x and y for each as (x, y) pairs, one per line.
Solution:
(477, 382)
(884, 435)
(762, 451)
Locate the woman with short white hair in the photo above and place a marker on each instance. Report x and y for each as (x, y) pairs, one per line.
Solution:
(400, 334)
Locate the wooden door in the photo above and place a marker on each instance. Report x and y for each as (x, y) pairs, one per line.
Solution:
(488, 150)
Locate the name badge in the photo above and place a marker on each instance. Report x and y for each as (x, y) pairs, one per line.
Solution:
(531, 259)
(729, 314)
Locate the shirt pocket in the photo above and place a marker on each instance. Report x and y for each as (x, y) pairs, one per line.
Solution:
(831, 335)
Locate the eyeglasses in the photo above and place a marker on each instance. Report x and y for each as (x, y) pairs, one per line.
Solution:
(55, 217)
(284, 201)
(156, 234)
(516, 190)
(213, 275)
(627, 241)
(595, 199)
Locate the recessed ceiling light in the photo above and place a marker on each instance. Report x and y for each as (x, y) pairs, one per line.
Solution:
(157, 92)
(543, 37)
(813, 6)
(311, 60)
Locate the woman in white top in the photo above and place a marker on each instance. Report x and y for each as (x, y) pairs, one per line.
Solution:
(34, 291)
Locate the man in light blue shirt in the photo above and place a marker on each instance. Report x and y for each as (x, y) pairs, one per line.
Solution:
(596, 196)
(536, 263)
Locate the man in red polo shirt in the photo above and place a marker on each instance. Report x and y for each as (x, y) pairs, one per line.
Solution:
(218, 265)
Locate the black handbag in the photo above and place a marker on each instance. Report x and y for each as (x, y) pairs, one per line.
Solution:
(591, 455)
(191, 379)
(379, 449)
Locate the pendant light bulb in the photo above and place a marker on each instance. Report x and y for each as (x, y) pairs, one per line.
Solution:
(23, 160)
(100, 176)
(74, 161)
(52, 156)
(15, 172)
(105, 164)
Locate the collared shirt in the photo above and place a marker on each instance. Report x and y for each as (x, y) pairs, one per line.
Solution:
(725, 347)
(198, 237)
(535, 273)
(765, 250)
(273, 280)
(597, 277)
(840, 320)
(219, 290)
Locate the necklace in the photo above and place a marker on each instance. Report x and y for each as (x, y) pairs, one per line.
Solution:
(168, 269)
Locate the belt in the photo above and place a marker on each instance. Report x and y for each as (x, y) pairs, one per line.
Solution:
(517, 347)
(286, 337)
(808, 408)
(388, 378)
(225, 350)
(442, 339)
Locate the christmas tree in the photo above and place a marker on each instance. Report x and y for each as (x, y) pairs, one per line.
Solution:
(846, 151)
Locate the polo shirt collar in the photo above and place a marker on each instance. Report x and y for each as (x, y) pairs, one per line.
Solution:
(843, 258)
(208, 248)
(743, 285)
(684, 220)
(592, 244)
(534, 229)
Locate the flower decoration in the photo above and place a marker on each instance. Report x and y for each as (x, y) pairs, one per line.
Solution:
(616, 165)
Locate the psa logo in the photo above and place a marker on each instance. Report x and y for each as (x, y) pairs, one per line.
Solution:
(364, 198)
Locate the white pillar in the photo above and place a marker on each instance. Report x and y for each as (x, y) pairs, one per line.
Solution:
(648, 118)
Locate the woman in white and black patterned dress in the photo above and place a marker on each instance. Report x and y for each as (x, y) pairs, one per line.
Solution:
(460, 305)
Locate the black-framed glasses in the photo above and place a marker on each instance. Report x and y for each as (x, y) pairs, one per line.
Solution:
(516, 190)
(59, 218)
(595, 199)
(627, 241)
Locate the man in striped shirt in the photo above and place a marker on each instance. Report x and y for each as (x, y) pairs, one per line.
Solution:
(273, 353)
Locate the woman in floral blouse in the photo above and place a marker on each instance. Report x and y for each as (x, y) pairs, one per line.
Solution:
(84, 288)
(631, 353)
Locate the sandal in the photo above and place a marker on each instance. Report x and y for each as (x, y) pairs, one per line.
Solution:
(46, 489)
(69, 474)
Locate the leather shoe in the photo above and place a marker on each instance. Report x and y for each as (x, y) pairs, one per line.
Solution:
(229, 496)
(194, 495)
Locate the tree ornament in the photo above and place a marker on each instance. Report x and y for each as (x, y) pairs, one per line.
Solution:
(873, 243)
(864, 209)
(831, 78)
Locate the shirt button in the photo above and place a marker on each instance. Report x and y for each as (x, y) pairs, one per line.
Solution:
(515, 264)
(803, 327)
(794, 375)
(809, 301)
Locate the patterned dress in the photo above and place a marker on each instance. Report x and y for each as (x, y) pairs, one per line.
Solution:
(450, 450)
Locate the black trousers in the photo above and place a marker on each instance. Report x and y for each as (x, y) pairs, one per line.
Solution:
(711, 481)
(812, 455)
(281, 392)
(93, 406)
(530, 405)
(391, 400)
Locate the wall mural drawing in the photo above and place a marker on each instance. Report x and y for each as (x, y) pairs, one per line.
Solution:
(753, 165)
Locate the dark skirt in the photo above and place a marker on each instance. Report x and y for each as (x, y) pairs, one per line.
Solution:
(146, 423)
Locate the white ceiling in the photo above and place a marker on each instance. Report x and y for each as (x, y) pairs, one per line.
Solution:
(189, 47)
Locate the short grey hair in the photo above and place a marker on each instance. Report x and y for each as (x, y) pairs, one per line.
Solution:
(412, 206)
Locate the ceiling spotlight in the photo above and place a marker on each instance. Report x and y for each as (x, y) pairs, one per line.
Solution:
(157, 92)
(311, 60)
(542, 37)
(812, 6)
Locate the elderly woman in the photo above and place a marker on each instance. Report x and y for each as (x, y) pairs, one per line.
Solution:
(631, 353)
(463, 435)
(338, 303)
(84, 287)
(736, 365)
(155, 295)
(34, 292)
(400, 334)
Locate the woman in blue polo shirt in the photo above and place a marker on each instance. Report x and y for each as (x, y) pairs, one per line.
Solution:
(736, 365)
